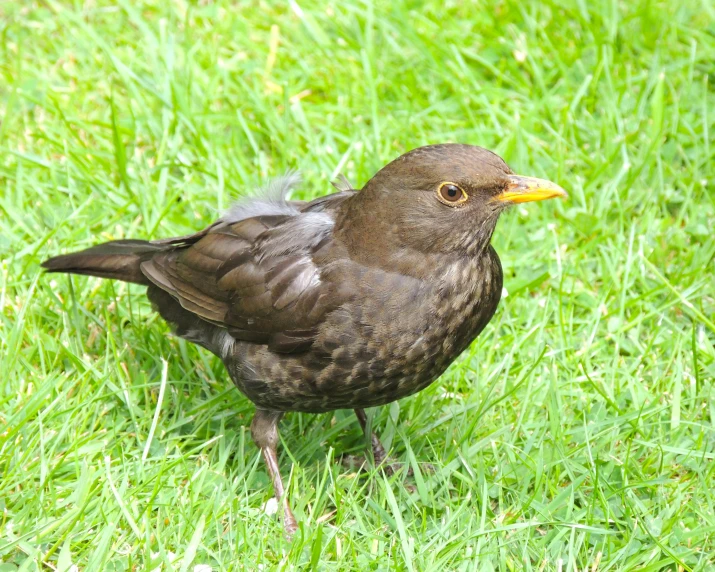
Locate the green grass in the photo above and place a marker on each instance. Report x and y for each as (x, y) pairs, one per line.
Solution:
(578, 432)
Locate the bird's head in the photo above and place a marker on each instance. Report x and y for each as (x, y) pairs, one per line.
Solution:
(445, 198)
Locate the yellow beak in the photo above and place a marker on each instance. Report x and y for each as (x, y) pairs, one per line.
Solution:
(527, 189)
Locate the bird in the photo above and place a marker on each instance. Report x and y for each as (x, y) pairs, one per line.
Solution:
(352, 300)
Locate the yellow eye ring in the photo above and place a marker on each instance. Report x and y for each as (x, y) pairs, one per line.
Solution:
(451, 194)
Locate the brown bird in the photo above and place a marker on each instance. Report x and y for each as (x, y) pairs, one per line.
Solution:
(352, 300)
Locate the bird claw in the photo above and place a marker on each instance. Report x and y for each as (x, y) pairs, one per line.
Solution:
(389, 465)
(290, 525)
(361, 463)
(392, 467)
(353, 462)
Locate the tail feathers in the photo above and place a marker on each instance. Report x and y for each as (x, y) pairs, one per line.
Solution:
(119, 260)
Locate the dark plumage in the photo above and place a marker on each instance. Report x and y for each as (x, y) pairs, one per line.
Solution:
(352, 300)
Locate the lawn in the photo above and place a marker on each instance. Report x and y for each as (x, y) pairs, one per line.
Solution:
(577, 433)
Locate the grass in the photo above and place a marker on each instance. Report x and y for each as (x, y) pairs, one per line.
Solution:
(577, 433)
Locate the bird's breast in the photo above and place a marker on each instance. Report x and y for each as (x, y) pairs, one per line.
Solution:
(402, 333)
(391, 340)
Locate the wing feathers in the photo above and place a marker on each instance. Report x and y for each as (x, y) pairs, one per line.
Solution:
(254, 276)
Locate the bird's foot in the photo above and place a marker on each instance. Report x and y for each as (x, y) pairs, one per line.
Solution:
(389, 466)
(290, 524)
(379, 455)
(361, 462)
(392, 467)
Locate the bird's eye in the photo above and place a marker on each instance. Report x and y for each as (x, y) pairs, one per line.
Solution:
(451, 194)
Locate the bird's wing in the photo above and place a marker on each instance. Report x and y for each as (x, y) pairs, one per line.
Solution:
(256, 277)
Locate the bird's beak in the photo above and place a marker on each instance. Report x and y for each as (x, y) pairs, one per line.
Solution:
(525, 189)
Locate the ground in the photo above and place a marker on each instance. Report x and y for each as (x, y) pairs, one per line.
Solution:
(578, 432)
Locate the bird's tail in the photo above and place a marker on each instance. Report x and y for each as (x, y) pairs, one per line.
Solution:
(118, 260)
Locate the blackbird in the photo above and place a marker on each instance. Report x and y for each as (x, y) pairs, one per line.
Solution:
(352, 300)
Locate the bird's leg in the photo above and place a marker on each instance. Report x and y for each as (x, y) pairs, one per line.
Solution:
(378, 451)
(264, 430)
(380, 456)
